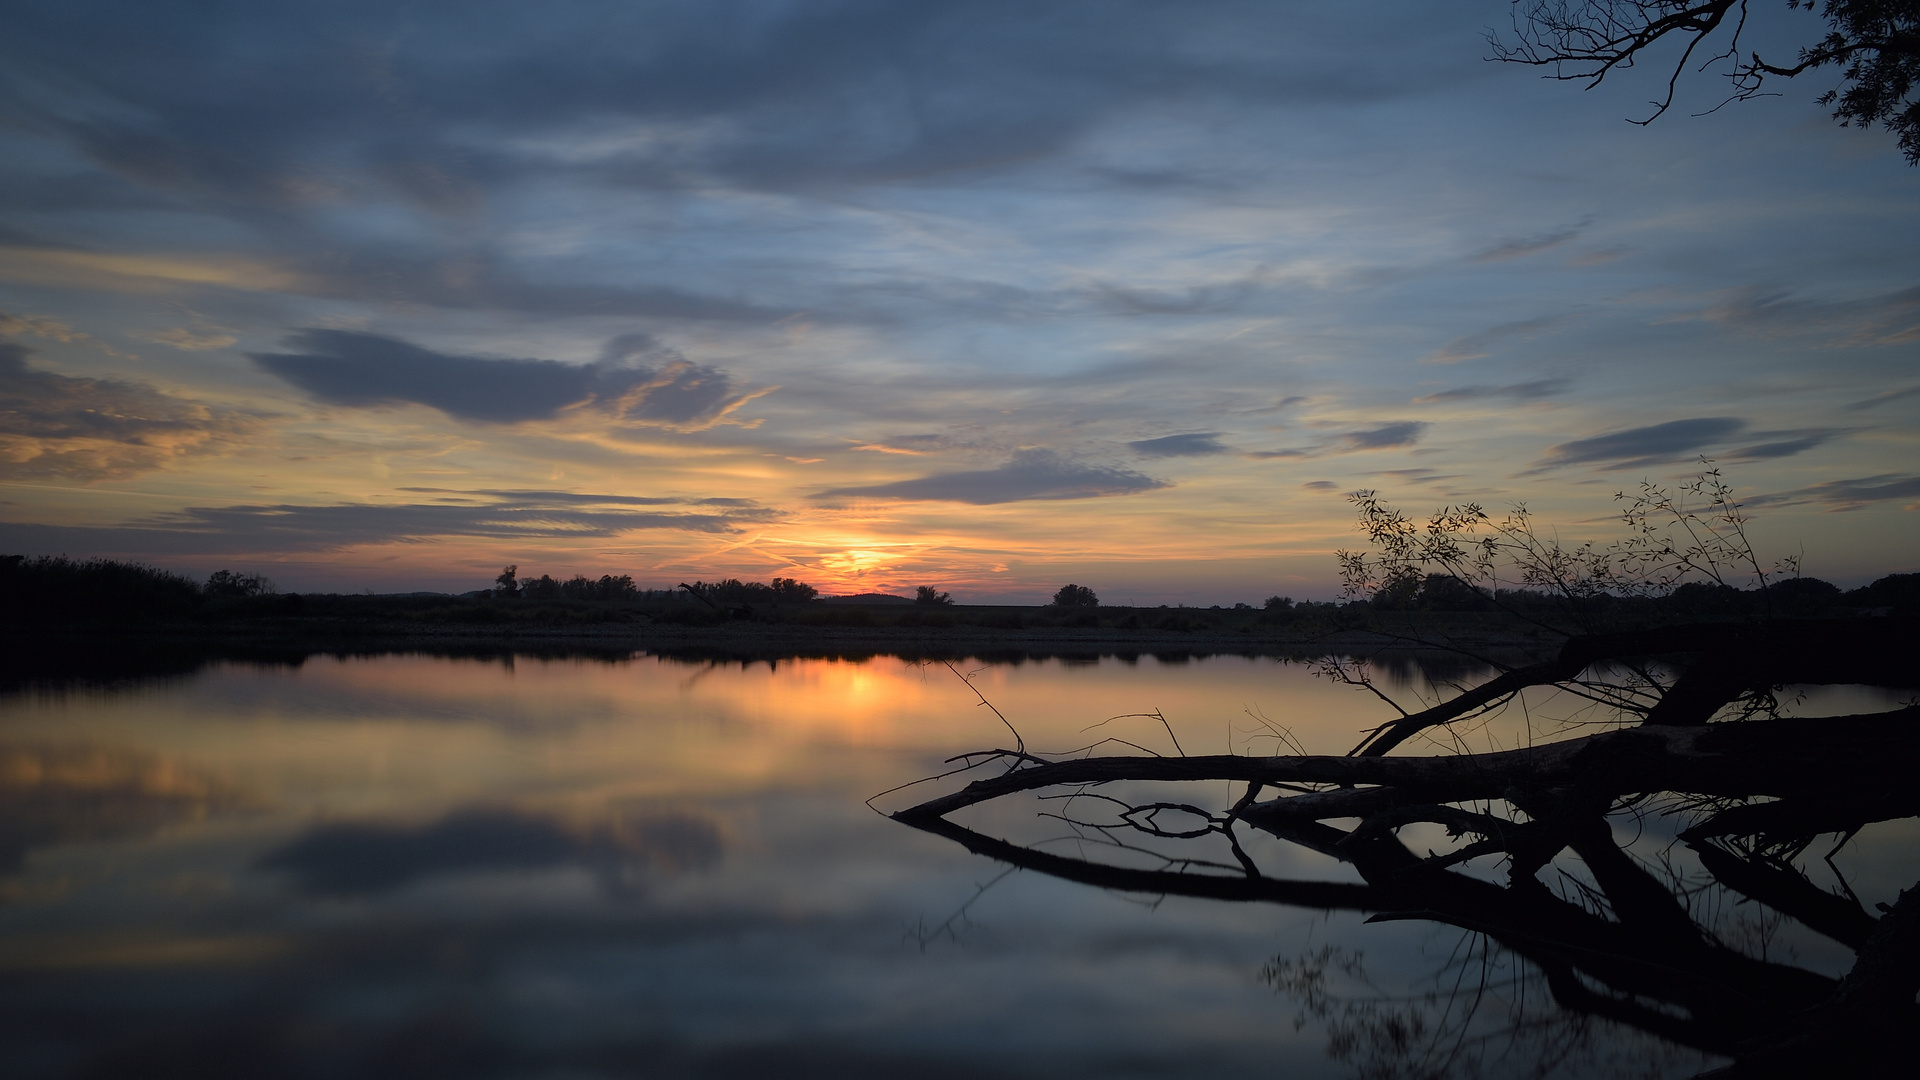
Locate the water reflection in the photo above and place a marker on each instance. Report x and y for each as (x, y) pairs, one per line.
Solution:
(1658, 877)
(487, 863)
(360, 859)
(503, 864)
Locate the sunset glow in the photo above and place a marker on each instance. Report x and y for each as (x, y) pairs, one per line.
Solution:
(975, 296)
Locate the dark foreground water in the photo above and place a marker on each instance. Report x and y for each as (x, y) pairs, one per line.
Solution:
(419, 866)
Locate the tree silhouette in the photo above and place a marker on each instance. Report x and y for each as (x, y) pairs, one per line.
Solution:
(1874, 43)
(1075, 596)
(1692, 726)
(228, 583)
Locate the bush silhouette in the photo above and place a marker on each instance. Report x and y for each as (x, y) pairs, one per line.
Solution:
(1075, 596)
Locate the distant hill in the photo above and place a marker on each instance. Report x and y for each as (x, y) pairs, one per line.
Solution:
(867, 598)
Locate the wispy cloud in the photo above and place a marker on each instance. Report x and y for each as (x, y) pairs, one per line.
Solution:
(290, 527)
(1032, 474)
(1853, 494)
(1199, 444)
(1384, 437)
(1521, 247)
(1401, 433)
(1420, 476)
(1781, 444)
(1874, 321)
(189, 340)
(1526, 391)
(1884, 397)
(60, 427)
(1476, 346)
(911, 445)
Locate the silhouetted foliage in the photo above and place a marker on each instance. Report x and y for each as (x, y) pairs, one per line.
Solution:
(229, 583)
(928, 596)
(1694, 535)
(59, 589)
(607, 587)
(1898, 592)
(1874, 43)
(1623, 938)
(1692, 724)
(735, 591)
(1075, 596)
(507, 584)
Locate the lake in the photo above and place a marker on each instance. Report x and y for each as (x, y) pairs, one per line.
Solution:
(431, 866)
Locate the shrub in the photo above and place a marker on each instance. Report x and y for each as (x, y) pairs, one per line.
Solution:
(1075, 596)
(56, 588)
(228, 583)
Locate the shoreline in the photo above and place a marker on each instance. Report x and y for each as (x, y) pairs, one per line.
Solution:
(765, 640)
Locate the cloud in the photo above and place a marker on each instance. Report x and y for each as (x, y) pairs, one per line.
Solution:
(1645, 445)
(1526, 391)
(1384, 437)
(285, 527)
(52, 329)
(343, 367)
(1784, 443)
(62, 427)
(1032, 474)
(911, 445)
(186, 340)
(1851, 494)
(1876, 321)
(1884, 397)
(1197, 300)
(1321, 485)
(1402, 433)
(360, 859)
(1475, 346)
(1199, 444)
(69, 794)
(1420, 476)
(40, 326)
(1516, 249)
(783, 97)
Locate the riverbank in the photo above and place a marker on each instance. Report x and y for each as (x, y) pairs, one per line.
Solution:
(108, 653)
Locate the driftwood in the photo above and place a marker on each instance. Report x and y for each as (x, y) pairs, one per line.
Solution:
(1758, 790)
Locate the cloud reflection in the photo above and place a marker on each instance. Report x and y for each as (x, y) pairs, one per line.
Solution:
(362, 858)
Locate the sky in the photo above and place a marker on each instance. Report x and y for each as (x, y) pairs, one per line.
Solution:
(981, 295)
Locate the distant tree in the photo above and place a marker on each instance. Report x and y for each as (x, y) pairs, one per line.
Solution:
(1803, 596)
(1279, 603)
(1899, 592)
(1875, 43)
(581, 587)
(735, 591)
(1075, 596)
(789, 591)
(228, 583)
(507, 584)
(540, 588)
(928, 596)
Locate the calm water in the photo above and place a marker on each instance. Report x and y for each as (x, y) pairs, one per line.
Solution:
(420, 866)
